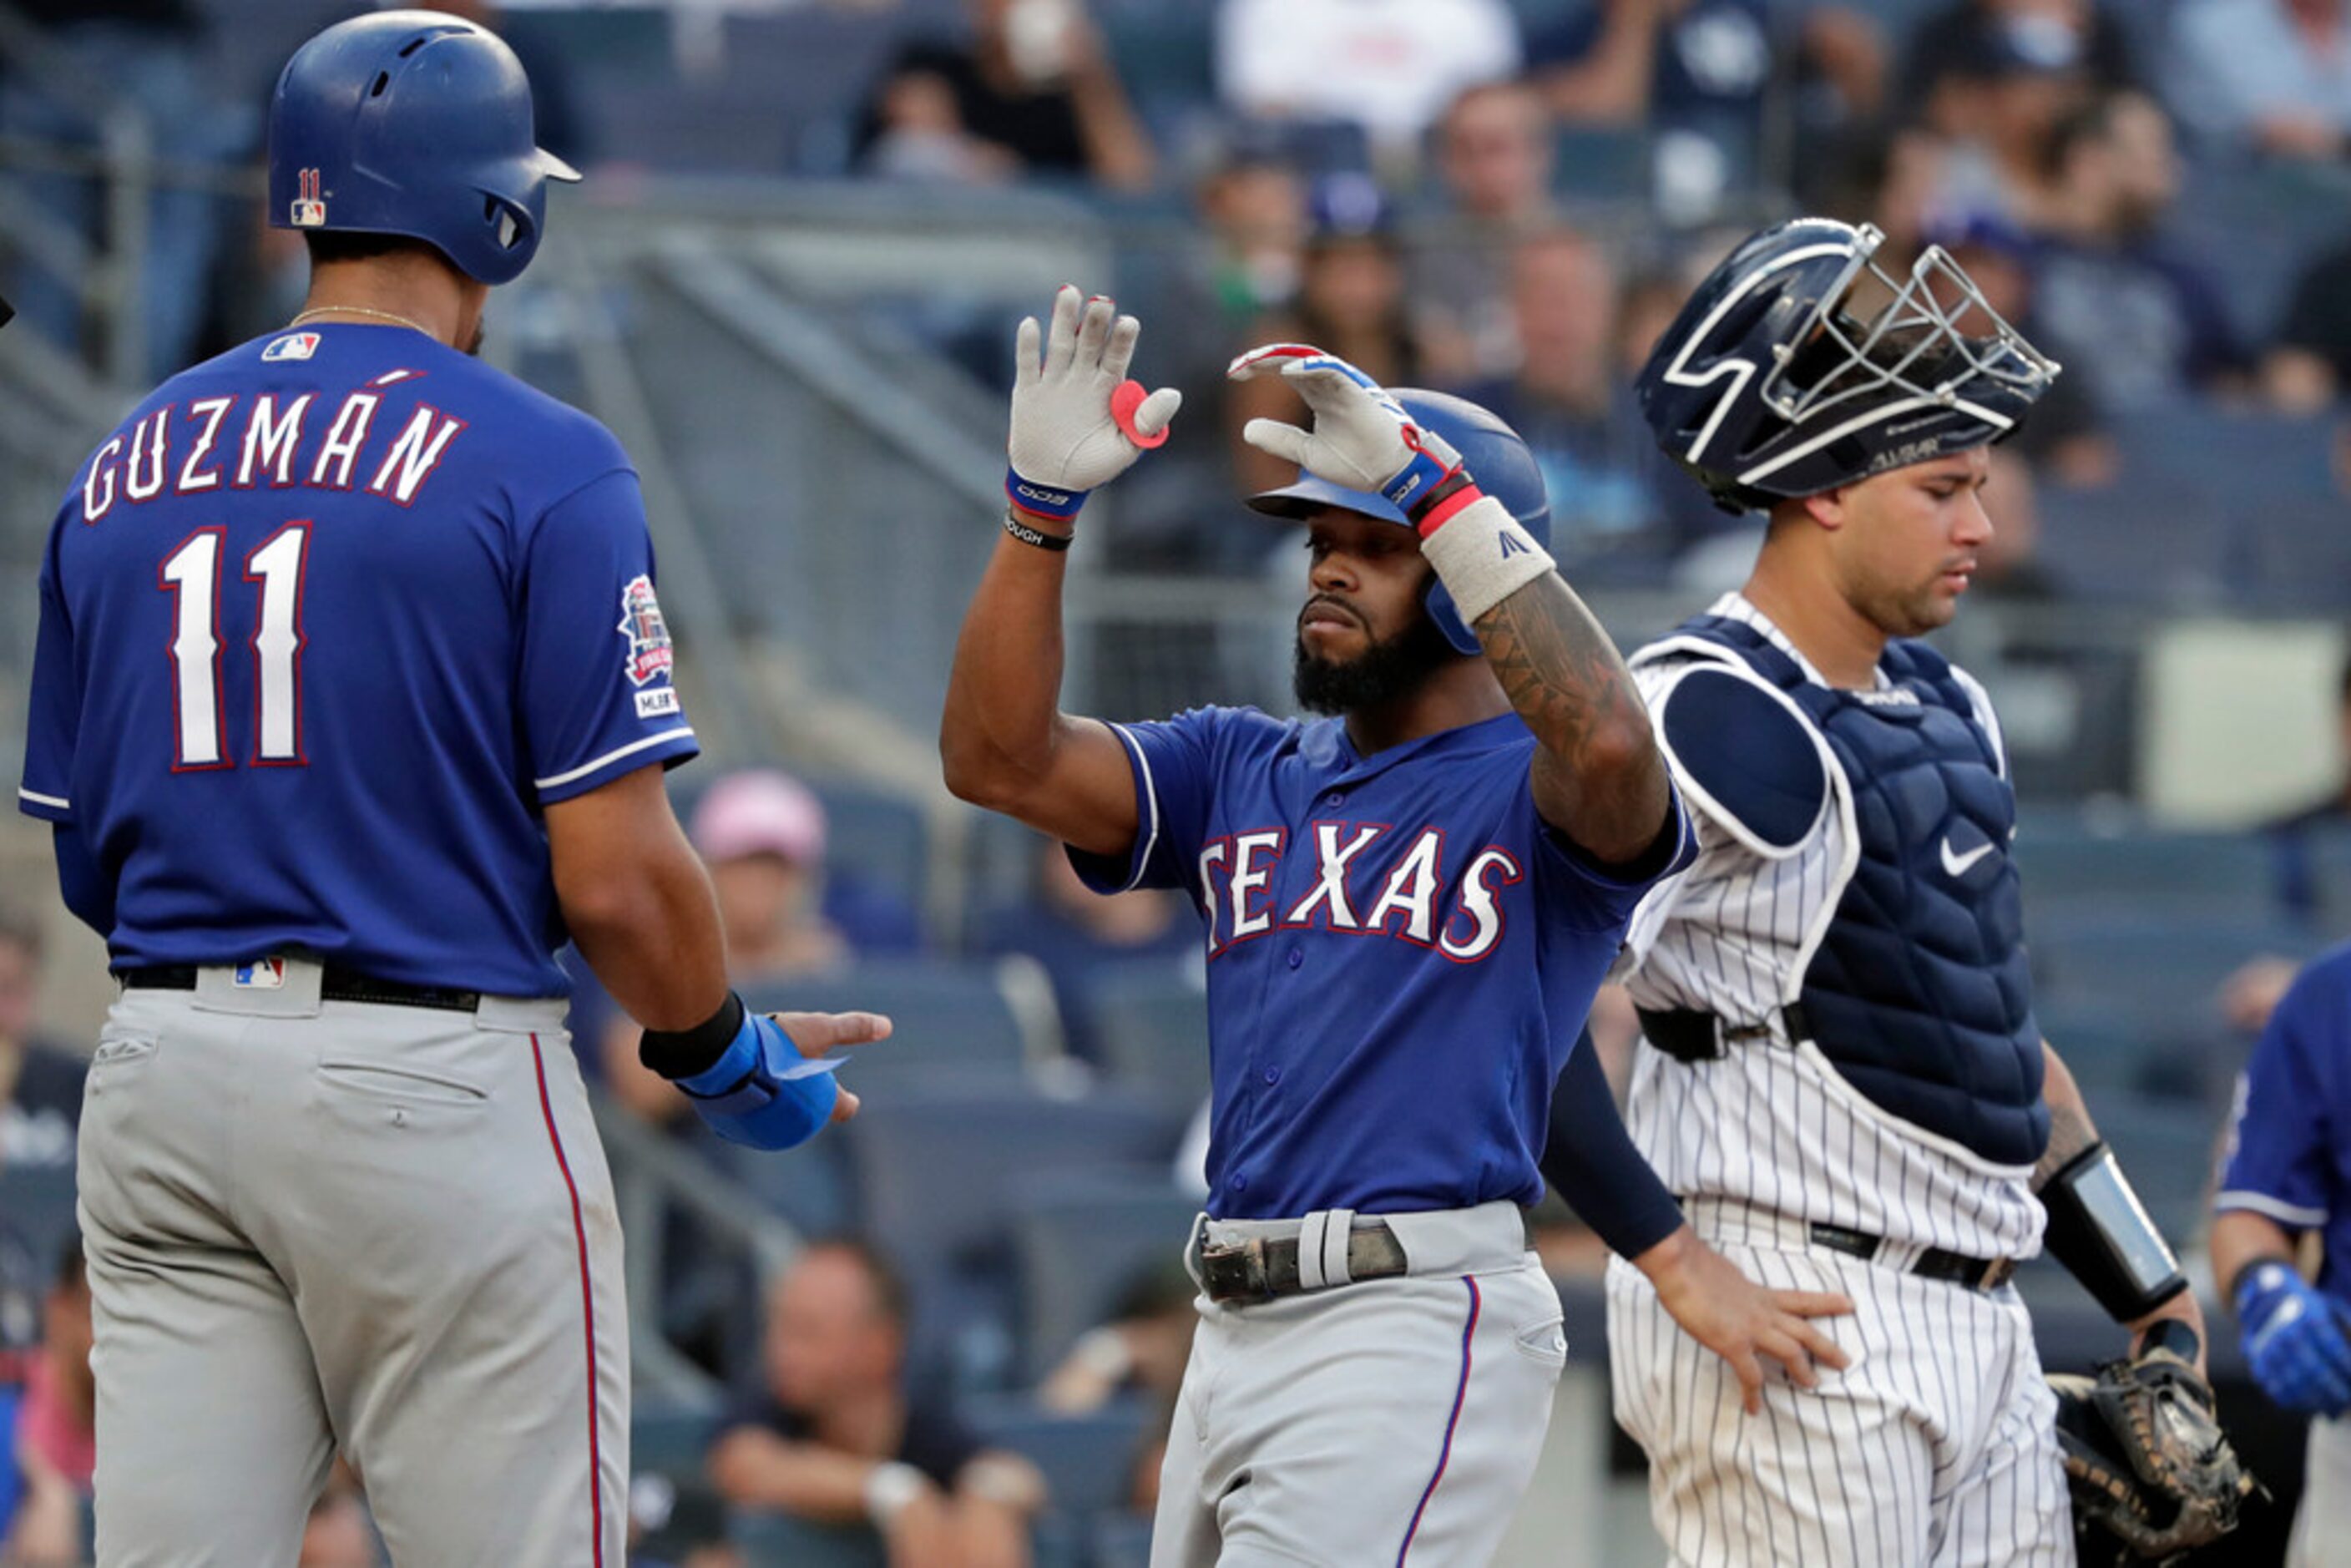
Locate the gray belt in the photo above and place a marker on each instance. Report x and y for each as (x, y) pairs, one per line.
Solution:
(1263, 1268)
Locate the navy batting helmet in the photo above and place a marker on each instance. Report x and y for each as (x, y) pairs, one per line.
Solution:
(412, 123)
(1493, 453)
(1801, 364)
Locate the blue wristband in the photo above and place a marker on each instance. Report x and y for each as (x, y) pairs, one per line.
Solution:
(1413, 480)
(736, 1066)
(1043, 499)
(745, 1101)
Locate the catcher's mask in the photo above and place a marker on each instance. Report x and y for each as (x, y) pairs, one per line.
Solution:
(1802, 363)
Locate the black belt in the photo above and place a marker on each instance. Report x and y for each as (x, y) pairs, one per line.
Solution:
(1935, 1263)
(1687, 1034)
(1265, 1267)
(337, 985)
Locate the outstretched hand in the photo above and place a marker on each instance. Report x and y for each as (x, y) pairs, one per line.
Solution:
(1741, 1320)
(817, 1033)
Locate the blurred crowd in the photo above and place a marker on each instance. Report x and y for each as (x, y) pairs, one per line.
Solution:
(1505, 199)
(1508, 201)
(947, 1390)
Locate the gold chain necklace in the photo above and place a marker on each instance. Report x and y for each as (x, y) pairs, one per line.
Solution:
(362, 310)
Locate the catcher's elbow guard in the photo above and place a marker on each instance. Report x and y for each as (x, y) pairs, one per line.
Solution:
(2098, 1230)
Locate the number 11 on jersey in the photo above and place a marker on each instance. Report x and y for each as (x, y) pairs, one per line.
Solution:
(191, 575)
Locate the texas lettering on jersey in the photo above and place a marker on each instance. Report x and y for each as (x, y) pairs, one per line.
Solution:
(1239, 870)
(245, 441)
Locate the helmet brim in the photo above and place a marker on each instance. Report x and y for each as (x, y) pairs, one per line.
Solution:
(1293, 502)
(555, 168)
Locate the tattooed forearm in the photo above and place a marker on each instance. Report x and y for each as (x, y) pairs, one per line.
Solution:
(1597, 774)
(2070, 1128)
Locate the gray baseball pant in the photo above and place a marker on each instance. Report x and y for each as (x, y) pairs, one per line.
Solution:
(390, 1231)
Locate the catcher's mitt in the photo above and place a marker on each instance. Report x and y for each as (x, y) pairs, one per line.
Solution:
(2151, 1473)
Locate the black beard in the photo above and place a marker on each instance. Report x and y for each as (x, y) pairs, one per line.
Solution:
(1390, 668)
(481, 330)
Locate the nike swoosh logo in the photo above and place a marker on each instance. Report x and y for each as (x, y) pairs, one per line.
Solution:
(1955, 866)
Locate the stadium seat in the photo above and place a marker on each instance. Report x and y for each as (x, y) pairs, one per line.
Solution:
(37, 1207)
(2135, 542)
(1082, 1239)
(779, 1540)
(1150, 1029)
(949, 1018)
(1600, 164)
(933, 1173)
(2109, 1052)
(1088, 1460)
(1122, 1541)
(1000, 871)
(2152, 972)
(883, 839)
(671, 1440)
(2323, 857)
(2069, 874)
(2295, 555)
(1165, 55)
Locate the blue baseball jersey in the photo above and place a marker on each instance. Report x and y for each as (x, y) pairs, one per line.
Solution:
(2288, 1155)
(324, 626)
(1401, 954)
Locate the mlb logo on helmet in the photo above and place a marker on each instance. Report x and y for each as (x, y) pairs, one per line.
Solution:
(269, 974)
(292, 346)
(648, 633)
(309, 205)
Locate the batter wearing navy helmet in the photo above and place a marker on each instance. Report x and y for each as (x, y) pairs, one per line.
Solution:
(351, 697)
(1406, 907)
(1841, 1076)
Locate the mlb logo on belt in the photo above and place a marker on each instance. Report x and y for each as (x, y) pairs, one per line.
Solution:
(310, 206)
(269, 974)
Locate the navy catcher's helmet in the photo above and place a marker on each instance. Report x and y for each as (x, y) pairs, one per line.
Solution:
(1493, 453)
(414, 123)
(1801, 364)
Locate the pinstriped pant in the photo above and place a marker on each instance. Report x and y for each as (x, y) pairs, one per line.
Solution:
(1937, 1449)
(313, 1226)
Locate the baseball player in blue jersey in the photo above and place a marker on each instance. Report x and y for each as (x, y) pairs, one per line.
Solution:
(2286, 1172)
(1407, 907)
(1842, 1077)
(351, 697)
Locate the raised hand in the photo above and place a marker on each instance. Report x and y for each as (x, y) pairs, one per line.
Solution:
(1361, 438)
(1078, 422)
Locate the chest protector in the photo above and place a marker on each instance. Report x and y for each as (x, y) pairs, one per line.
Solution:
(1921, 992)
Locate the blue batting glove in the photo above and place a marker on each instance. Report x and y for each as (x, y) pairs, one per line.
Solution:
(761, 1092)
(2294, 1341)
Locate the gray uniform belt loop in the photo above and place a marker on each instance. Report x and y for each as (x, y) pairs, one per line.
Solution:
(1262, 1268)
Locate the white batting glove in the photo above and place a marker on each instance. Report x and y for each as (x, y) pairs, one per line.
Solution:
(1077, 422)
(1362, 438)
